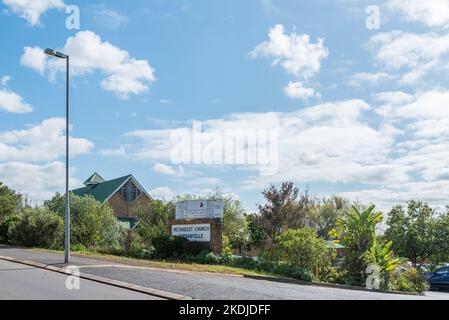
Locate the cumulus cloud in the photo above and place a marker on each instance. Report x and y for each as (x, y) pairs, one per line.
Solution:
(40, 143)
(11, 101)
(295, 53)
(32, 10)
(368, 79)
(413, 55)
(164, 169)
(393, 155)
(296, 90)
(39, 182)
(125, 76)
(29, 158)
(433, 13)
(112, 152)
(164, 193)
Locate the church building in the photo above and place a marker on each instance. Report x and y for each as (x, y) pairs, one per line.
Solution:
(123, 194)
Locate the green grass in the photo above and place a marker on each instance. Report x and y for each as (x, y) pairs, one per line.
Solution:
(160, 264)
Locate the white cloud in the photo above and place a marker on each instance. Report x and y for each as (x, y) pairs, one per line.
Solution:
(125, 75)
(433, 13)
(294, 52)
(162, 193)
(40, 143)
(398, 154)
(32, 10)
(296, 90)
(38, 181)
(112, 152)
(413, 55)
(166, 101)
(34, 58)
(29, 158)
(164, 169)
(11, 101)
(363, 79)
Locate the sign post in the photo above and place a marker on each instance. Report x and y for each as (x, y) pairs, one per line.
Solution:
(200, 221)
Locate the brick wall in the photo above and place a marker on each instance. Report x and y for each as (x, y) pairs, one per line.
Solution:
(216, 231)
(122, 208)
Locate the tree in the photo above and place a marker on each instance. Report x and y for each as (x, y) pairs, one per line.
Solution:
(37, 227)
(284, 211)
(10, 202)
(92, 224)
(154, 219)
(415, 232)
(326, 213)
(356, 230)
(302, 248)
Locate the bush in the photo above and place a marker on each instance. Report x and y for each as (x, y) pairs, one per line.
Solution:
(167, 247)
(37, 228)
(410, 280)
(4, 227)
(194, 248)
(92, 224)
(132, 244)
(303, 249)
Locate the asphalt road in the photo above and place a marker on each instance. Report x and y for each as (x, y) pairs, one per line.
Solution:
(20, 282)
(210, 286)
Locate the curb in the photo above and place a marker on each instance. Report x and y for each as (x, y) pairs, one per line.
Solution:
(114, 283)
(328, 285)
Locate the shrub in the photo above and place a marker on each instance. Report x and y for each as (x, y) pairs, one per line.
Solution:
(37, 228)
(245, 263)
(167, 247)
(4, 227)
(194, 248)
(154, 218)
(92, 224)
(303, 249)
(132, 244)
(410, 280)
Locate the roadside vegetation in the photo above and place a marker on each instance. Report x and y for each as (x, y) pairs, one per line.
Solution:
(292, 235)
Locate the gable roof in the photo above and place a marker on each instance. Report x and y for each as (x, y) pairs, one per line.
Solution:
(102, 191)
(94, 179)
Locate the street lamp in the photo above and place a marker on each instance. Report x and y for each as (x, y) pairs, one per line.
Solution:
(60, 55)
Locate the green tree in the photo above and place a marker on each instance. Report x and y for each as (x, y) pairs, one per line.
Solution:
(302, 248)
(37, 227)
(413, 231)
(92, 224)
(154, 219)
(356, 230)
(286, 208)
(10, 202)
(326, 213)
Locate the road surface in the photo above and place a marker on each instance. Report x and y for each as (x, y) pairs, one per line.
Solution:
(209, 286)
(20, 282)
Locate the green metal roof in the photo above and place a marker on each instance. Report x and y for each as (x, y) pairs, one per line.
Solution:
(102, 191)
(331, 244)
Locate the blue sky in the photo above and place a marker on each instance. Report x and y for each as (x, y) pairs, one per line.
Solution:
(360, 110)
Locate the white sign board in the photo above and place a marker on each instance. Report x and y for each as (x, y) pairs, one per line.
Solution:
(192, 232)
(199, 209)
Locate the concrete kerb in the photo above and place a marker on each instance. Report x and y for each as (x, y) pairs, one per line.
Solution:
(115, 283)
(327, 285)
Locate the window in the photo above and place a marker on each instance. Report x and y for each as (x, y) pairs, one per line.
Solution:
(130, 192)
(442, 271)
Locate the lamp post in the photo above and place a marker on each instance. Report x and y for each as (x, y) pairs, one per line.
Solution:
(60, 55)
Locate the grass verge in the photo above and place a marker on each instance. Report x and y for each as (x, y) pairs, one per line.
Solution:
(162, 264)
